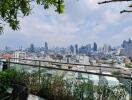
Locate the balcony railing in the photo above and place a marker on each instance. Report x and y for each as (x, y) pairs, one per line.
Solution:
(65, 81)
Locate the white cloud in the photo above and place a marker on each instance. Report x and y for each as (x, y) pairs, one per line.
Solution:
(112, 17)
(91, 4)
(124, 34)
(84, 21)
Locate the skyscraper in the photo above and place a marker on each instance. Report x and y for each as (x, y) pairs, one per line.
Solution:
(72, 49)
(76, 49)
(32, 48)
(89, 48)
(105, 49)
(46, 47)
(127, 45)
(83, 50)
(95, 47)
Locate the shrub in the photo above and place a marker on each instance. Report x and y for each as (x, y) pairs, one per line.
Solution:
(54, 87)
(128, 65)
(116, 72)
(5, 81)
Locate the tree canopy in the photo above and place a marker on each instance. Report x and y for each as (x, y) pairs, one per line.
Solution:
(122, 11)
(12, 10)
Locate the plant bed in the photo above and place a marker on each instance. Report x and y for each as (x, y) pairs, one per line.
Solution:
(5, 96)
(55, 87)
(5, 82)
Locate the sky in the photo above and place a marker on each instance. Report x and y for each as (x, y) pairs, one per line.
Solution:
(83, 22)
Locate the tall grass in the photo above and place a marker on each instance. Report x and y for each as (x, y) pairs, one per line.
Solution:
(55, 87)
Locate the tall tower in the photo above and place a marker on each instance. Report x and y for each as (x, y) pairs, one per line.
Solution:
(71, 49)
(95, 46)
(76, 49)
(32, 48)
(89, 48)
(46, 47)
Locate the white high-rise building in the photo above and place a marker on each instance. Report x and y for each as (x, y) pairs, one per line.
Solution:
(105, 49)
(19, 55)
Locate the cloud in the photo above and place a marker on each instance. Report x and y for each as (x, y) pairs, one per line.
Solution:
(92, 4)
(83, 22)
(111, 17)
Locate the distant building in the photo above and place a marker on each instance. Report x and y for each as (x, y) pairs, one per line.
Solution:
(19, 55)
(84, 60)
(85, 49)
(7, 49)
(6, 56)
(72, 49)
(32, 48)
(105, 49)
(127, 45)
(126, 60)
(76, 49)
(46, 47)
(62, 51)
(95, 47)
(89, 48)
(68, 59)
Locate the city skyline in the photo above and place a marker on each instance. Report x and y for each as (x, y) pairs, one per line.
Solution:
(80, 24)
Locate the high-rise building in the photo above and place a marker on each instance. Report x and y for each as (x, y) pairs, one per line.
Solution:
(124, 43)
(83, 50)
(32, 48)
(105, 49)
(46, 47)
(71, 49)
(7, 49)
(19, 55)
(127, 45)
(89, 48)
(76, 49)
(110, 48)
(95, 46)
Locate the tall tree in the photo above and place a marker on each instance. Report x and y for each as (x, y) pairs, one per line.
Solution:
(11, 10)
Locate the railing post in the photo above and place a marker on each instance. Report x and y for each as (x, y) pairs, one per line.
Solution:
(100, 71)
(6, 65)
(9, 63)
(39, 73)
(131, 87)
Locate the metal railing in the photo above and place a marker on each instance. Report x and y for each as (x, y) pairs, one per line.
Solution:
(40, 64)
(60, 66)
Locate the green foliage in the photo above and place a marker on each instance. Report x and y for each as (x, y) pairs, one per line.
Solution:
(128, 65)
(110, 93)
(116, 72)
(30, 79)
(84, 90)
(5, 81)
(56, 88)
(11, 10)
